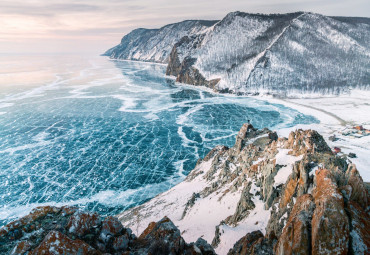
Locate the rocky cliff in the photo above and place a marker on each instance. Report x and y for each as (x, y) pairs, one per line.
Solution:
(283, 54)
(265, 195)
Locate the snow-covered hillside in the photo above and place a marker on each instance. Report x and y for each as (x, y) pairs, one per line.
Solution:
(285, 54)
(155, 45)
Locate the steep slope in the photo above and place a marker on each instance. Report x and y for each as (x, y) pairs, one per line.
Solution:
(283, 54)
(155, 45)
(267, 195)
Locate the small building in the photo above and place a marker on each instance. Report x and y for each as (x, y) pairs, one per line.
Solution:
(337, 150)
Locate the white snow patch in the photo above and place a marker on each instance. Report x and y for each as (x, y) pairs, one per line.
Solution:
(256, 220)
(287, 161)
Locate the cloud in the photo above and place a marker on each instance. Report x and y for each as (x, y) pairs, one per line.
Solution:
(40, 9)
(107, 21)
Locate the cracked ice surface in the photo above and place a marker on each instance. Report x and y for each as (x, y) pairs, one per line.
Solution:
(108, 135)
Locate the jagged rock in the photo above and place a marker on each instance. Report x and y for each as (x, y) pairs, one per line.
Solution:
(252, 243)
(216, 239)
(190, 75)
(273, 136)
(120, 243)
(245, 244)
(246, 173)
(35, 214)
(333, 220)
(111, 226)
(204, 247)
(21, 248)
(164, 231)
(360, 229)
(302, 141)
(359, 192)
(289, 190)
(246, 132)
(295, 238)
(245, 204)
(330, 226)
(56, 243)
(33, 227)
(174, 64)
(190, 203)
(113, 236)
(83, 223)
(77, 232)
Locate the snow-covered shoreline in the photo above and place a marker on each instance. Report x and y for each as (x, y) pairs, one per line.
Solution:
(335, 114)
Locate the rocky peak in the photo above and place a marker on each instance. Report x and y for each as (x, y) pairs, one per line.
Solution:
(307, 141)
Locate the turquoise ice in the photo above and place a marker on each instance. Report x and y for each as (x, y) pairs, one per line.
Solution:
(108, 135)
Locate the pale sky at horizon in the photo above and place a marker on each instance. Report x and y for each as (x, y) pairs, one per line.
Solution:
(57, 26)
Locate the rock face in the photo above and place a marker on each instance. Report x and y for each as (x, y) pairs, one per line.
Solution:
(295, 238)
(255, 53)
(264, 195)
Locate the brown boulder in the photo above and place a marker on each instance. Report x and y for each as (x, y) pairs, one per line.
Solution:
(21, 248)
(245, 245)
(36, 214)
(164, 236)
(112, 226)
(56, 243)
(82, 223)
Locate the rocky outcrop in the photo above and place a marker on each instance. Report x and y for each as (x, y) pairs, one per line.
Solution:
(58, 243)
(298, 195)
(66, 230)
(252, 243)
(264, 195)
(185, 72)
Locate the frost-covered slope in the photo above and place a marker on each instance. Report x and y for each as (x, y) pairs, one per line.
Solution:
(155, 44)
(285, 54)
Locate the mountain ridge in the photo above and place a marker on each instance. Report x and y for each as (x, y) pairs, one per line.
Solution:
(282, 54)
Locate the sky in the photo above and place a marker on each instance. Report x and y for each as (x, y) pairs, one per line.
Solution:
(93, 26)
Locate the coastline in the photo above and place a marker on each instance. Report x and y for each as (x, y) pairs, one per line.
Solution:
(336, 114)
